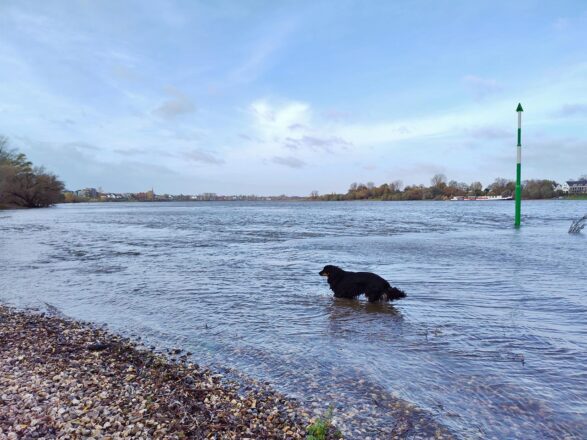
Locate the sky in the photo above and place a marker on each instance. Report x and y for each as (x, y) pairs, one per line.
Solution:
(289, 97)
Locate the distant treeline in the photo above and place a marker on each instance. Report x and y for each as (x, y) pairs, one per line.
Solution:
(440, 189)
(23, 185)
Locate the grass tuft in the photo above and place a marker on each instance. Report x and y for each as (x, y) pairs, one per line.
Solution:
(322, 428)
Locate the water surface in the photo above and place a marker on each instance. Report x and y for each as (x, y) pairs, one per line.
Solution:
(490, 343)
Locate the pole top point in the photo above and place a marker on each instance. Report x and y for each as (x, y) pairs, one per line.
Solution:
(519, 109)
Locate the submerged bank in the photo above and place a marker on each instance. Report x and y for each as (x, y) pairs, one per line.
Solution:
(61, 378)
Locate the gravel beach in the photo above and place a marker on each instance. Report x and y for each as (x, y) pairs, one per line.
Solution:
(65, 379)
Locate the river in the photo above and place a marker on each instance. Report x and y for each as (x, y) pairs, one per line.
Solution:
(491, 341)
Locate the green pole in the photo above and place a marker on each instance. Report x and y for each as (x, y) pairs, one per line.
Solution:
(519, 168)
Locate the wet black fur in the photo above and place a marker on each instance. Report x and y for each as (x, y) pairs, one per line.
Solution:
(352, 284)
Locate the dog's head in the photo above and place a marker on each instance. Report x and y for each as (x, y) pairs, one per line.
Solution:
(330, 270)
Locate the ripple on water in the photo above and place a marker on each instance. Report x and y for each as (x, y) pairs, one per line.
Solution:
(490, 343)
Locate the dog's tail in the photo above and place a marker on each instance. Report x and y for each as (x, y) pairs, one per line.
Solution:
(394, 293)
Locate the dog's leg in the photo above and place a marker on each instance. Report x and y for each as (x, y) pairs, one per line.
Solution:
(373, 295)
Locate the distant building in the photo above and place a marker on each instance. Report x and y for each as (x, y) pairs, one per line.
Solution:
(163, 197)
(112, 196)
(91, 193)
(141, 197)
(563, 188)
(577, 186)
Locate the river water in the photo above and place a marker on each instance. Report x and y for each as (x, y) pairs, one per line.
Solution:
(490, 343)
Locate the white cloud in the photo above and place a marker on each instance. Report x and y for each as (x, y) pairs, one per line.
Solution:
(272, 121)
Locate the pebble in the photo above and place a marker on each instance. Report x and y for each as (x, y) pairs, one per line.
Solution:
(117, 389)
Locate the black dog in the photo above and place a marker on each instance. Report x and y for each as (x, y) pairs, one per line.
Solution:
(351, 284)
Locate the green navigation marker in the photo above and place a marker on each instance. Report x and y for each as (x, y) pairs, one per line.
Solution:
(519, 168)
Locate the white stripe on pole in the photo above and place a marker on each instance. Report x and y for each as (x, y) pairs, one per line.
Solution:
(519, 128)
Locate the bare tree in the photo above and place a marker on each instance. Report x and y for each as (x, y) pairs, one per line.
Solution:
(502, 187)
(438, 180)
(476, 188)
(396, 186)
(6, 155)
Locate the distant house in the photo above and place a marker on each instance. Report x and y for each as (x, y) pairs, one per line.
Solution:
(577, 186)
(563, 188)
(91, 193)
(112, 196)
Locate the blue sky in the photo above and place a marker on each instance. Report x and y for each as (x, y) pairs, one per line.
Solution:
(265, 97)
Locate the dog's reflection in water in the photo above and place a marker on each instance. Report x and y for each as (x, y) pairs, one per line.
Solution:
(353, 307)
(370, 320)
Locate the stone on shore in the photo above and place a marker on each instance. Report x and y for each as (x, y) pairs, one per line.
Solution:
(65, 379)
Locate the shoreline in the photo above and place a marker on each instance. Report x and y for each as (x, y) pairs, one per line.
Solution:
(60, 377)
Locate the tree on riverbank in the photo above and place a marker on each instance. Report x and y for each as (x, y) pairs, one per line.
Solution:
(440, 189)
(23, 185)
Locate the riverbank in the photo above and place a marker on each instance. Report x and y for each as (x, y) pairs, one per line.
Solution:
(61, 378)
